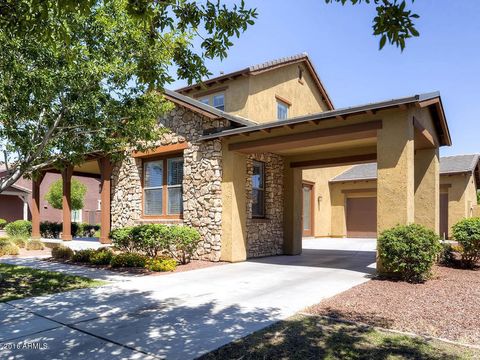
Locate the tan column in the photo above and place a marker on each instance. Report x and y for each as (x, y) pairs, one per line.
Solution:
(234, 207)
(35, 208)
(395, 184)
(427, 188)
(292, 210)
(106, 168)
(67, 203)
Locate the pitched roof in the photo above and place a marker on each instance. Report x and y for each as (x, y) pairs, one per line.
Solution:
(456, 164)
(266, 66)
(205, 109)
(432, 100)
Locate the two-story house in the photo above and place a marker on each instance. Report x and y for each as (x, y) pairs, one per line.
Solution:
(233, 163)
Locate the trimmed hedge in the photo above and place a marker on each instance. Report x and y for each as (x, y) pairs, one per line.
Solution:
(128, 260)
(52, 230)
(20, 242)
(467, 233)
(409, 251)
(8, 248)
(82, 256)
(102, 256)
(62, 252)
(161, 264)
(19, 228)
(34, 245)
(179, 242)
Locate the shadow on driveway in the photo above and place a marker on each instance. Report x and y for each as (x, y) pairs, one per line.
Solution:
(352, 260)
(123, 324)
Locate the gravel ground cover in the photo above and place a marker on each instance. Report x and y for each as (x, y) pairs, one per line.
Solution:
(447, 306)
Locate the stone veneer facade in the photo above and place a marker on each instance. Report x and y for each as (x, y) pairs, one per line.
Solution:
(202, 202)
(265, 236)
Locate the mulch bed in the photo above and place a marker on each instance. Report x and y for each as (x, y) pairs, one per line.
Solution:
(193, 265)
(447, 306)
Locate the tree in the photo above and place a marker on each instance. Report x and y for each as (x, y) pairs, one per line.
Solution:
(394, 22)
(81, 77)
(55, 194)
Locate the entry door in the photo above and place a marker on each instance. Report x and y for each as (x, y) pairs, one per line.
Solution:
(307, 211)
(444, 215)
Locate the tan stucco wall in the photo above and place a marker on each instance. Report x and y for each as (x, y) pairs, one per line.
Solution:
(461, 190)
(253, 96)
(462, 197)
(322, 203)
(395, 174)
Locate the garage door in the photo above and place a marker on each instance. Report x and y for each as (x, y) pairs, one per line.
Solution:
(362, 217)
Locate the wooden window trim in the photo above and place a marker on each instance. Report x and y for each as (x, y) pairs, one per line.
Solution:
(164, 215)
(264, 167)
(283, 100)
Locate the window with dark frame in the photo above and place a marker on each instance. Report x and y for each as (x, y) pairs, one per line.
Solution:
(162, 187)
(258, 190)
(282, 110)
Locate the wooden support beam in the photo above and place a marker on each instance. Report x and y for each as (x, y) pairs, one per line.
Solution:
(35, 205)
(423, 138)
(426, 103)
(67, 203)
(310, 138)
(106, 169)
(340, 117)
(161, 150)
(345, 160)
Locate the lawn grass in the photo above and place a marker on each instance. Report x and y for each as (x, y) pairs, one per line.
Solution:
(312, 337)
(18, 282)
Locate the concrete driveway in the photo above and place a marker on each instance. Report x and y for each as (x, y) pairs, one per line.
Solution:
(182, 315)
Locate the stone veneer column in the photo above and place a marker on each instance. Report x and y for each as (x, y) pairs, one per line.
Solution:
(427, 188)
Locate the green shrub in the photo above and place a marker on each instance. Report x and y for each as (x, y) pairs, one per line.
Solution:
(82, 256)
(19, 228)
(408, 251)
(122, 239)
(101, 256)
(20, 242)
(161, 264)
(467, 233)
(183, 242)
(447, 256)
(8, 248)
(62, 252)
(128, 260)
(34, 245)
(50, 230)
(3, 222)
(151, 239)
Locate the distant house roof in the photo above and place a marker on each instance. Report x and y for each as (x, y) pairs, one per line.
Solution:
(456, 164)
(266, 66)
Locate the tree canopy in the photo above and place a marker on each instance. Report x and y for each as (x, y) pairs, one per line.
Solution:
(79, 77)
(54, 195)
(394, 22)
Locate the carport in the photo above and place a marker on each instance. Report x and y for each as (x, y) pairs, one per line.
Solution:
(403, 136)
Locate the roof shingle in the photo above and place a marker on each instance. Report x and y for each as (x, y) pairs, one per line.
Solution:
(448, 165)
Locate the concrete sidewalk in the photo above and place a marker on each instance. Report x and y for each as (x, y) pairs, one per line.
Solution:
(183, 315)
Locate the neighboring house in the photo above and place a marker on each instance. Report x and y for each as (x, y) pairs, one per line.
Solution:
(345, 198)
(233, 168)
(15, 202)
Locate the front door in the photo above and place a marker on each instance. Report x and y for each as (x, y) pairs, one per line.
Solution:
(444, 215)
(307, 210)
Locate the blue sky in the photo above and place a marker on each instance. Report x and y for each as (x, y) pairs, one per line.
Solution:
(340, 43)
